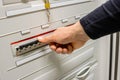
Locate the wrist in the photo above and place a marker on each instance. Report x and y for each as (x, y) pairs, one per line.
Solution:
(79, 32)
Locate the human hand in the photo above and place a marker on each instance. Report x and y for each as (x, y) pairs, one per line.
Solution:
(66, 39)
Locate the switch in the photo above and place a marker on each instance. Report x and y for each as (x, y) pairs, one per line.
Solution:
(77, 17)
(45, 26)
(25, 32)
(64, 20)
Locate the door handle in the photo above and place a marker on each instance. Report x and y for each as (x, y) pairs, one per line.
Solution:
(82, 74)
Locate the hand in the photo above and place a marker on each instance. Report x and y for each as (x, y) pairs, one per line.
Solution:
(66, 39)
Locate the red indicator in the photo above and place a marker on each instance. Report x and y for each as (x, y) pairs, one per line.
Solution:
(31, 37)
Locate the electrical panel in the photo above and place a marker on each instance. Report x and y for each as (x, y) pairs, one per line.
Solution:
(23, 57)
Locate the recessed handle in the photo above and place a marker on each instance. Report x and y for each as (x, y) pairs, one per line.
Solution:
(83, 73)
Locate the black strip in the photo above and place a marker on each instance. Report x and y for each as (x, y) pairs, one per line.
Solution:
(111, 58)
(116, 56)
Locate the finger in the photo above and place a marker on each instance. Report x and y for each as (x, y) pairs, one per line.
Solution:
(53, 46)
(70, 49)
(62, 47)
(47, 39)
(59, 50)
(65, 50)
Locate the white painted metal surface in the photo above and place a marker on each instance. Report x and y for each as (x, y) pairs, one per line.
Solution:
(21, 22)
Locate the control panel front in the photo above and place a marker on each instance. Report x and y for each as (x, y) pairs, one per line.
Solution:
(22, 55)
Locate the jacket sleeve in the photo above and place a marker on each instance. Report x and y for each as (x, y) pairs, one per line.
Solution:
(102, 21)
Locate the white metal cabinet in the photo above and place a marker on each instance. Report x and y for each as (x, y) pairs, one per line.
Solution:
(25, 20)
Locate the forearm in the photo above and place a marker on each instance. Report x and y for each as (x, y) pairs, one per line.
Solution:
(102, 21)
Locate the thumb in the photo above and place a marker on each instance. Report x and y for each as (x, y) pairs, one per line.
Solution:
(47, 39)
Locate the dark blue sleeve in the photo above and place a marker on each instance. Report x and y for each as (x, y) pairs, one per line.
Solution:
(102, 21)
